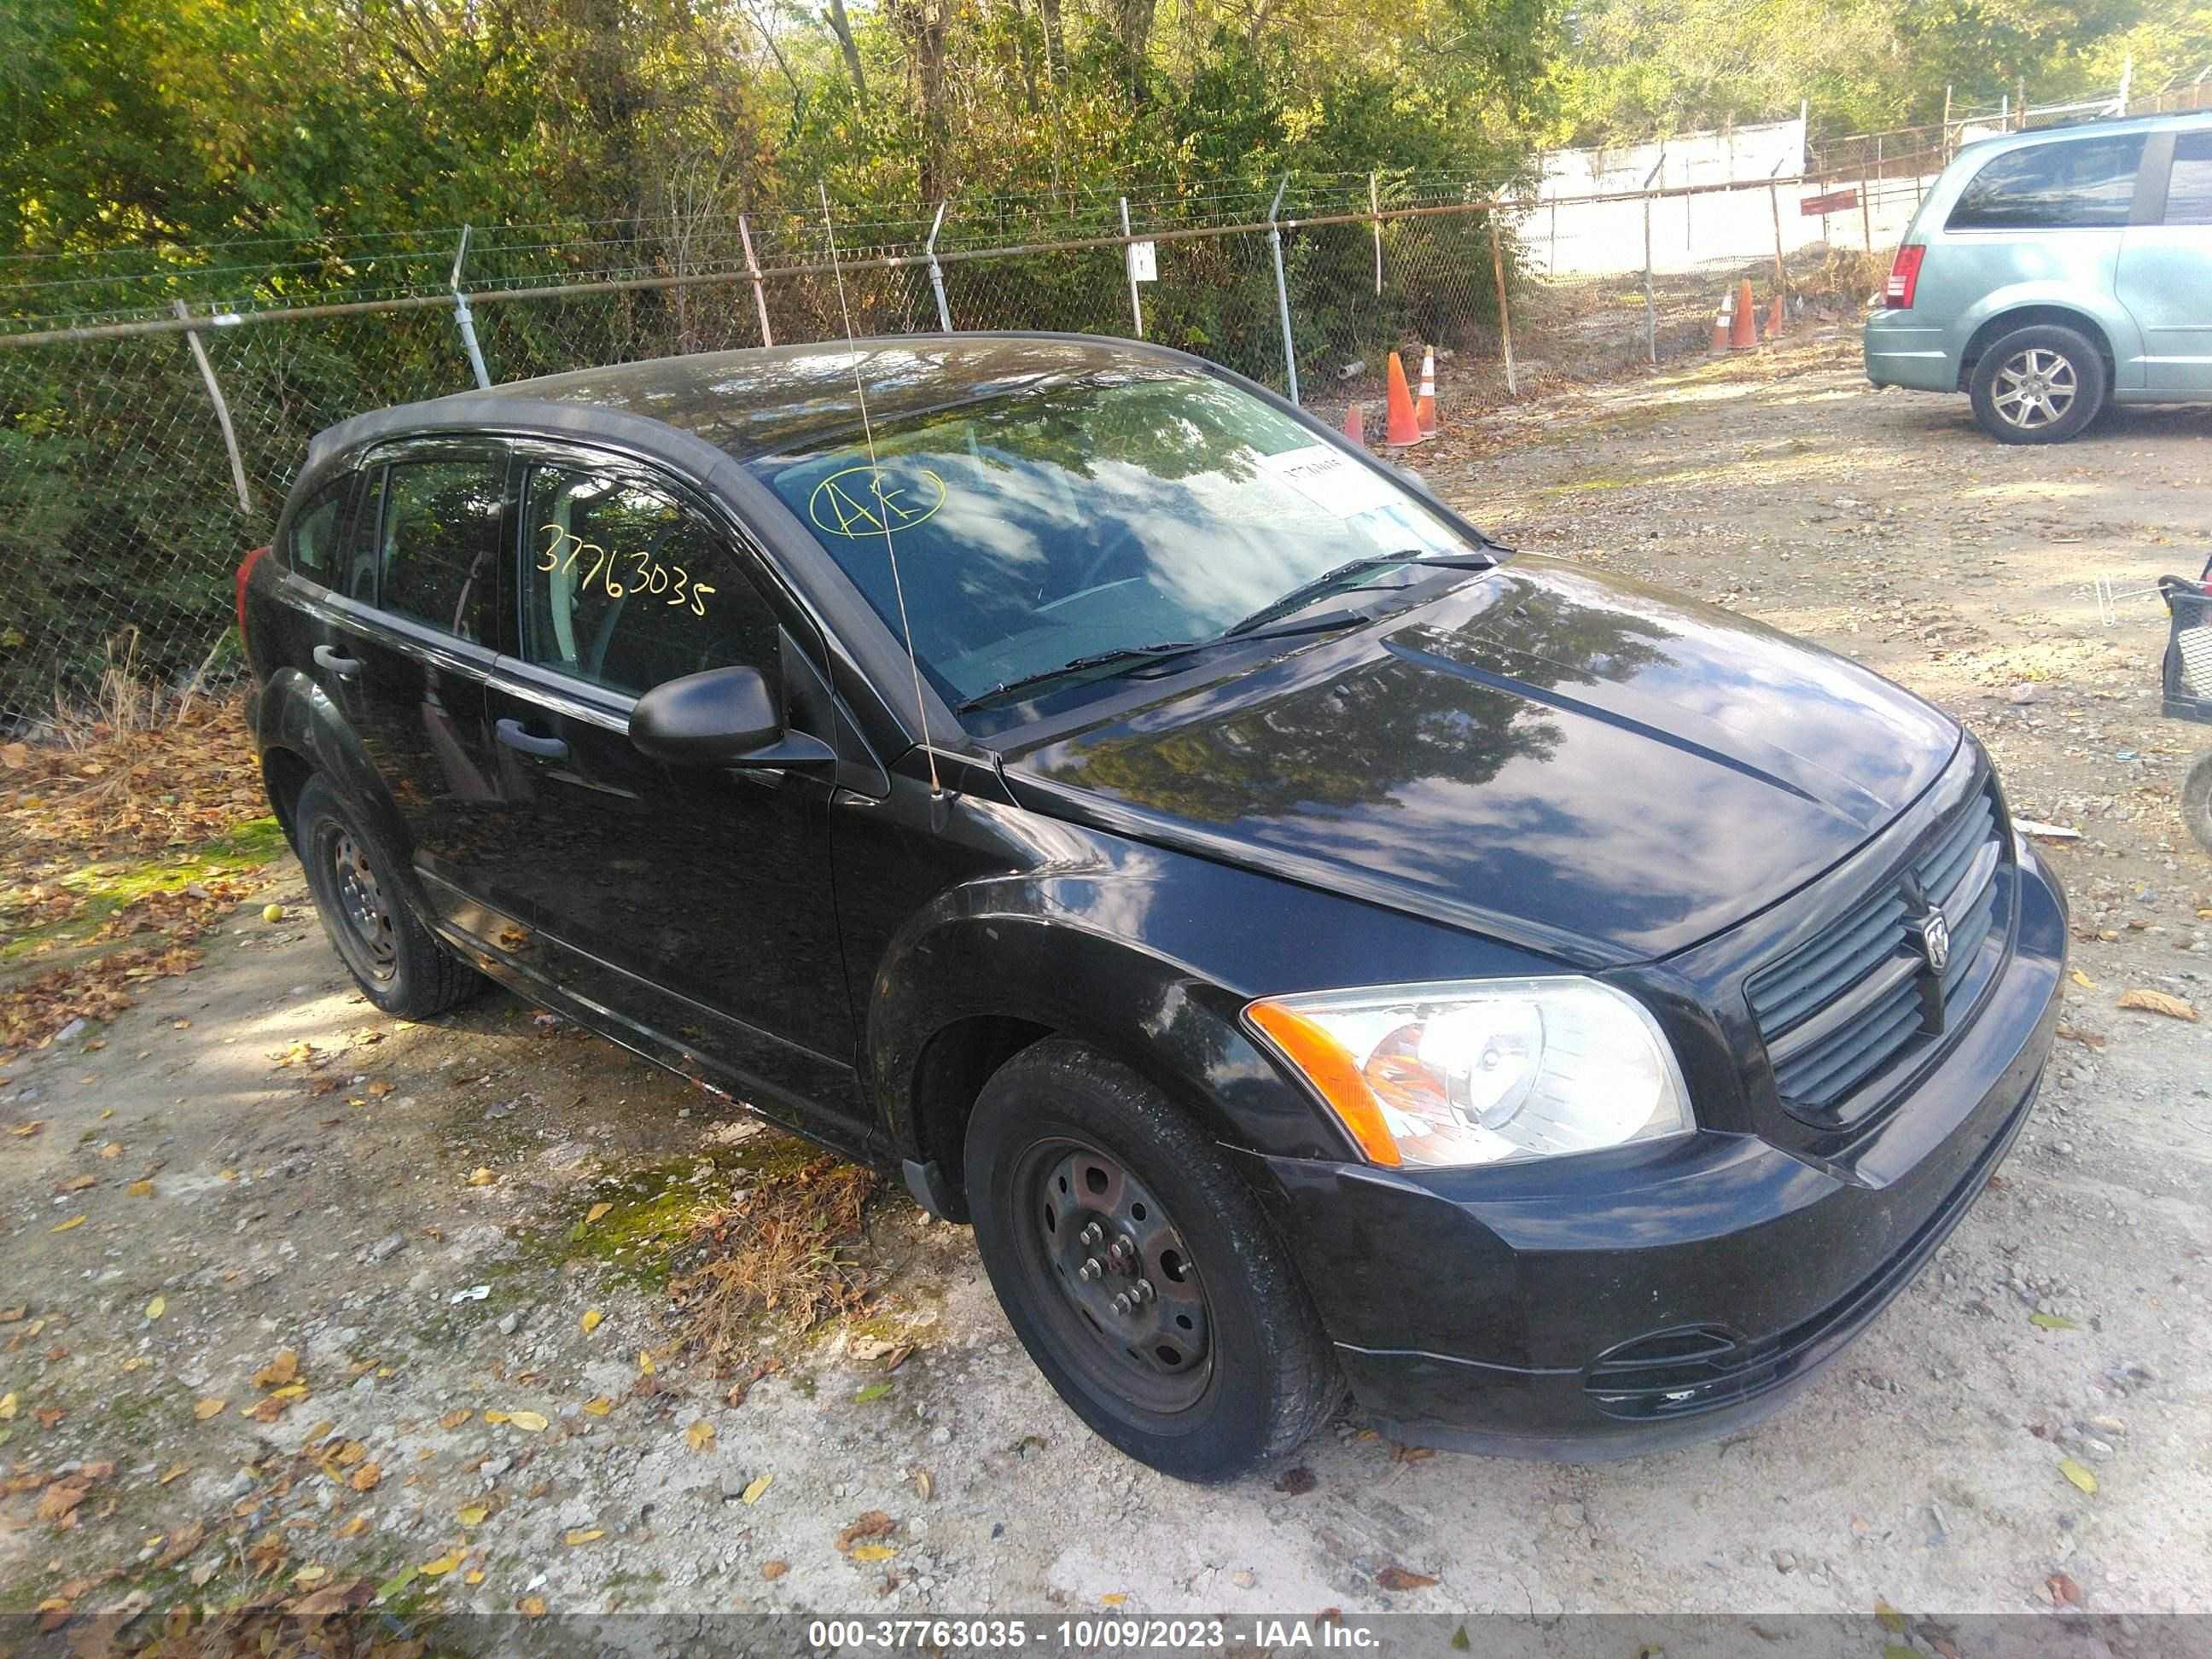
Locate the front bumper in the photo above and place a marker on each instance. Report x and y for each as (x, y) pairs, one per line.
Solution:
(1624, 1302)
(1902, 349)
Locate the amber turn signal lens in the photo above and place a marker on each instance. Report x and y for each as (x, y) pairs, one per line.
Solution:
(1334, 1072)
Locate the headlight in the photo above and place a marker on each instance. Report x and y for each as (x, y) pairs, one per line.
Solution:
(1482, 1071)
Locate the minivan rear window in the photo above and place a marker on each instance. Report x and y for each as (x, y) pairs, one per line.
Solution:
(2189, 191)
(2078, 183)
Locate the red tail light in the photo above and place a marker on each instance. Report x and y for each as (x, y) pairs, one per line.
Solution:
(1904, 277)
(245, 576)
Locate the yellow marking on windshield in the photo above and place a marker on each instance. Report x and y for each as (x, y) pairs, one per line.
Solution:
(865, 501)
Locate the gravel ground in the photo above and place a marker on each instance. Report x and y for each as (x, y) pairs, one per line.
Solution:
(319, 1199)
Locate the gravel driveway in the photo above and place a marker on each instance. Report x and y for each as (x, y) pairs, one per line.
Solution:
(407, 1210)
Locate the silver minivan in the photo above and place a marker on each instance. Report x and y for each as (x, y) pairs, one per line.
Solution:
(2047, 274)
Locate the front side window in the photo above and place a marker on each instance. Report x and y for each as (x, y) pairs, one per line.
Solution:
(1055, 521)
(439, 530)
(2071, 184)
(626, 586)
(2189, 187)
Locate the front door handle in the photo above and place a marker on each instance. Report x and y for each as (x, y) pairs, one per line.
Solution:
(511, 734)
(344, 667)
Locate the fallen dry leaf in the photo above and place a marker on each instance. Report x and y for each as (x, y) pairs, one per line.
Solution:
(157, 1307)
(481, 1177)
(472, 1515)
(585, 1534)
(182, 1542)
(441, 1567)
(113, 1149)
(774, 1569)
(140, 1189)
(8, 1406)
(355, 1526)
(873, 1552)
(78, 1183)
(876, 1523)
(365, 1477)
(278, 1372)
(595, 1213)
(700, 1436)
(210, 1407)
(598, 1405)
(2063, 1589)
(2158, 1002)
(25, 1130)
(531, 1422)
(172, 1473)
(2079, 1474)
(62, 1227)
(61, 1497)
(1398, 1578)
(757, 1488)
(2082, 979)
(532, 1607)
(590, 1322)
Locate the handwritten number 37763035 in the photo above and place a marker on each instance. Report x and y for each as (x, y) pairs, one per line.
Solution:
(647, 575)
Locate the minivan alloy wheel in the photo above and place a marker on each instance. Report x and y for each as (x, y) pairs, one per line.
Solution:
(2034, 388)
(1120, 1278)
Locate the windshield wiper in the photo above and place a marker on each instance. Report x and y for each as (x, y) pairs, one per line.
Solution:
(1133, 656)
(1339, 580)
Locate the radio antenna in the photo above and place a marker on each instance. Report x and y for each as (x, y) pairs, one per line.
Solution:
(876, 485)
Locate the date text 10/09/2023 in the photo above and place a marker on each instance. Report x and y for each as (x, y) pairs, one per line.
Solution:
(1103, 1635)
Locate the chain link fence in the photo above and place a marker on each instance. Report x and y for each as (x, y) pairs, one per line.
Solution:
(149, 426)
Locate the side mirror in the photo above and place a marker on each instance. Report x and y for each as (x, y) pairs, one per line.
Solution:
(723, 717)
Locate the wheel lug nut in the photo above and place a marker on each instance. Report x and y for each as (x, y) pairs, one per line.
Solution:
(1143, 1290)
(1120, 1253)
(1122, 1305)
(1090, 1269)
(1090, 1234)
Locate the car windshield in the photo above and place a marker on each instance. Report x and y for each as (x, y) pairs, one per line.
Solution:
(1076, 519)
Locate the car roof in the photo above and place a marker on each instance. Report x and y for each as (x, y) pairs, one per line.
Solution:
(2100, 126)
(762, 401)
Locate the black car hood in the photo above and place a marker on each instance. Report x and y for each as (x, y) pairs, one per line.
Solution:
(1574, 762)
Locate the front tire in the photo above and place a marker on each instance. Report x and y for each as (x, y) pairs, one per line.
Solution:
(1139, 1270)
(396, 960)
(2039, 385)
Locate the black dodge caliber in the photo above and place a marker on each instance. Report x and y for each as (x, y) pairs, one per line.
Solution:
(1316, 948)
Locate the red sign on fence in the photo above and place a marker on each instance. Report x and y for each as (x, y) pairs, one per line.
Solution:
(1836, 200)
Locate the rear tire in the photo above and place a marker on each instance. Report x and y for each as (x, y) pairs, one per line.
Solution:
(2039, 385)
(2196, 801)
(398, 963)
(1218, 1363)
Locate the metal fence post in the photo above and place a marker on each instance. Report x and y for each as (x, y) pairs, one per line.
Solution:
(222, 411)
(1282, 291)
(1774, 205)
(936, 275)
(1650, 305)
(1374, 212)
(466, 322)
(1504, 318)
(1136, 307)
(760, 299)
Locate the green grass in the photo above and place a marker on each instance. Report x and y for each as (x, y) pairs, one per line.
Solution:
(106, 888)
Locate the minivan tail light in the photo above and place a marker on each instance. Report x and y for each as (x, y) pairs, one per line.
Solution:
(245, 576)
(1904, 277)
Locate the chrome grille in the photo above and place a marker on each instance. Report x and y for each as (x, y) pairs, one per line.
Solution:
(1838, 1011)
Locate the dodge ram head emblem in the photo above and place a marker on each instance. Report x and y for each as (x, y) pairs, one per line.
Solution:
(1935, 941)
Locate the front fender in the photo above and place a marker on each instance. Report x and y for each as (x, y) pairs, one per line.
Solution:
(1151, 956)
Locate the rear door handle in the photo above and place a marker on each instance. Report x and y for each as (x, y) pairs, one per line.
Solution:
(344, 667)
(511, 734)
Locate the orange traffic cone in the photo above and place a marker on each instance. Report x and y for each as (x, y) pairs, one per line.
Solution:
(1777, 317)
(1355, 425)
(1723, 321)
(1743, 329)
(1402, 427)
(1424, 405)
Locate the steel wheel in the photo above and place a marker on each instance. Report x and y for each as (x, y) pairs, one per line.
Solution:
(366, 912)
(1116, 1276)
(2034, 389)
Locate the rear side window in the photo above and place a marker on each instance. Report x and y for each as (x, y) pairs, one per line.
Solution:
(438, 532)
(2188, 188)
(626, 585)
(310, 548)
(2080, 184)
